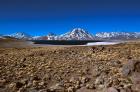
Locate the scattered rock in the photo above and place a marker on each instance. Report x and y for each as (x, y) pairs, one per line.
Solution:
(70, 89)
(21, 90)
(83, 89)
(84, 79)
(29, 84)
(126, 90)
(128, 68)
(24, 81)
(23, 59)
(43, 90)
(137, 66)
(35, 83)
(19, 85)
(108, 68)
(99, 80)
(36, 78)
(112, 89)
(12, 86)
(136, 81)
(41, 83)
(56, 88)
(73, 80)
(95, 72)
(90, 86)
(32, 90)
(2, 82)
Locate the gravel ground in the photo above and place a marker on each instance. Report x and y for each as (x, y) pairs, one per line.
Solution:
(114, 68)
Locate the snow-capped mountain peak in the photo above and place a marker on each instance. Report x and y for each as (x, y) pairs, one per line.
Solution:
(78, 30)
(77, 34)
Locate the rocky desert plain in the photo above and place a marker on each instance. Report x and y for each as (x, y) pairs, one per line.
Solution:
(110, 68)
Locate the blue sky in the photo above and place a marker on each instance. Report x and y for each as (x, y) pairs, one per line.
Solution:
(39, 17)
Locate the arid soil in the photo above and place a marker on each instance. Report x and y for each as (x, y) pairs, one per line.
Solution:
(114, 68)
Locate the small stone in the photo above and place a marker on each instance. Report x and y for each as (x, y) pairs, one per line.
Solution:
(21, 90)
(84, 80)
(90, 86)
(127, 68)
(23, 59)
(99, 80)
(36, 78)
(29, 84)
(46, 77)
(77, 86)
(72, 79)
(32, 90)
(41, 83)
(95, 72)
(127, 85)
(35, 83)
(137, 66)
(19, 85)
(101, 86)
(2, 82)
(83, 89)
(115, 81)
(70, 89)
(130, 67)
(43, 90)
(56, 87)
(136, 81)
(112, 89)
(125, 90)
(24, 81)
(12, 85)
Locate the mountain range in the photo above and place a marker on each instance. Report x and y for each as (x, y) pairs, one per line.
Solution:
(20, 35)
(78, 34)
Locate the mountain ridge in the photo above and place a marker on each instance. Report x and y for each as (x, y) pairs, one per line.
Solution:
(20, 35)
(118, 35)
(77, 34)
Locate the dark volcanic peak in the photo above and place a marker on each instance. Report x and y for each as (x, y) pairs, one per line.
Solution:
(77, 34)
